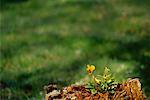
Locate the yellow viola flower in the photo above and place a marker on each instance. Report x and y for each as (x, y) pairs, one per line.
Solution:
(90, 68)
(97, 81)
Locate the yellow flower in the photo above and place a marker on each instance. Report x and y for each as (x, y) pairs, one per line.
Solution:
(90, 68)
(97, 81)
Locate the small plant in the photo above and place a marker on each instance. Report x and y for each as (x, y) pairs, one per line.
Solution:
(100, 87)
(100, 83)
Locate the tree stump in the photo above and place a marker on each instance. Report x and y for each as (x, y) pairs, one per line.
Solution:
(129, 90)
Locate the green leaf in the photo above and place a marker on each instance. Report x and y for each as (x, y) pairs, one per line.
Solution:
(93, 91)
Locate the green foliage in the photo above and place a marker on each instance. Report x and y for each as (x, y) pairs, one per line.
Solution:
(107, 80)
(104, 83)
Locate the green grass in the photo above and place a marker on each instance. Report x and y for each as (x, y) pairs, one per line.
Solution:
(52, 41)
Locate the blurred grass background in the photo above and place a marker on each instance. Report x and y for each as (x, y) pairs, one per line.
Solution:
(51, 41)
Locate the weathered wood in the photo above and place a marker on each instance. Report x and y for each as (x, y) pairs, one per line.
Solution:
(129, 90)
